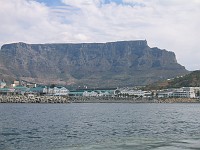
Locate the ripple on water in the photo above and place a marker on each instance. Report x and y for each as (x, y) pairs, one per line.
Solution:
(140, 144)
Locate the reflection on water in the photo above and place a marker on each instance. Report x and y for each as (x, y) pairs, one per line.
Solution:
(99, 126)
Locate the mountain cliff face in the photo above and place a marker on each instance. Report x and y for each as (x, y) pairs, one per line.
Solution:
(124, 63)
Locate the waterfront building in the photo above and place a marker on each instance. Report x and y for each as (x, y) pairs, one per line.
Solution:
(185, 92)
(92, 93)
(106, 93)
(99, 92)
(197, 91)
(31, 85)
(58, 91)
(137, 93)
(2, 84)
(76, 93)
(41, 90)
(6, 91)
(164, 94)
(15, 83)
(21, 90)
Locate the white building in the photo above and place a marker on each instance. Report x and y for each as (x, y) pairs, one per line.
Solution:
(164, 94)
(58, 91)
(105, 93)
(138, 93)
(185, 92)
(197, 91)
(98, 93)
(92, 93)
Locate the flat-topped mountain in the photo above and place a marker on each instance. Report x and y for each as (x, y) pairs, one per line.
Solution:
(124, 63)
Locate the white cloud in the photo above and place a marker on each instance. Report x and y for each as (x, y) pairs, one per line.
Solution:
(24, 20)
(170, 24)
(81, 3)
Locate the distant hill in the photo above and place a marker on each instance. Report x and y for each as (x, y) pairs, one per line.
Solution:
(190, 80)
(112, 64)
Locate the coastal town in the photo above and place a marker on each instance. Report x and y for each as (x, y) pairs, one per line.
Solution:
(60, 94)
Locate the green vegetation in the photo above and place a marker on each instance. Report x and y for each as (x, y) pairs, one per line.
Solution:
(189, 80)
(192, 79)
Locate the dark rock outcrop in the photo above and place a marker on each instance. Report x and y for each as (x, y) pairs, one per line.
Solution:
(123, 63)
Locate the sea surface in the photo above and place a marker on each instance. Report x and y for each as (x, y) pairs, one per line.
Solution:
(100, 126)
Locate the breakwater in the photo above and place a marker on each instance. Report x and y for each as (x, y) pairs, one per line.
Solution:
(66, 99)
(177, 100)
(131, 100)
(101, 99)
(81, 99)
(33, 99)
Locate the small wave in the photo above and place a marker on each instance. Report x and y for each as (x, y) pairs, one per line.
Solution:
(140, 144)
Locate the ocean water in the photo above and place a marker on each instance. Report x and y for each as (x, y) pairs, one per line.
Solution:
(99, 126)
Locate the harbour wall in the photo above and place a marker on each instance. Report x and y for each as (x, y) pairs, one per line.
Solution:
(81, 99)
(33, 99)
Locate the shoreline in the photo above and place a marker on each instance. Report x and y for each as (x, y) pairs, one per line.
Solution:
(67, 99)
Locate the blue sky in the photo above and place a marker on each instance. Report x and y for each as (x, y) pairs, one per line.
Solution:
(167, 24)
(51, 2)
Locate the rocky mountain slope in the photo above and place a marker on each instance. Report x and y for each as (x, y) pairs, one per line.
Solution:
(124, 63)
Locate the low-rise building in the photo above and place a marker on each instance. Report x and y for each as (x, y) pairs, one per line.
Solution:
(88, 93)
(21, 90)
(15, 83)
(185, 92)
(137, 93)
(7, 91)
(164, 94)
(76, 93)
(98, 93)
(41, 90)
(58, 91)
(2, 84)
(93, 92)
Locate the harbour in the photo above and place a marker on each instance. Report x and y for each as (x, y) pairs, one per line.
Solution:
(92, 126)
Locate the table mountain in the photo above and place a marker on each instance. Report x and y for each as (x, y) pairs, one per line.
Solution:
(124, 63)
